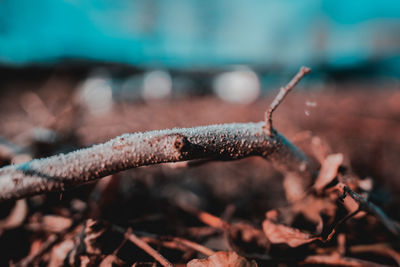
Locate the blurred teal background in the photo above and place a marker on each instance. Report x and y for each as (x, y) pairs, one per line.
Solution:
(194, 34)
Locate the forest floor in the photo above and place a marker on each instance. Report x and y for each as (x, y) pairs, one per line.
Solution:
(188, 211)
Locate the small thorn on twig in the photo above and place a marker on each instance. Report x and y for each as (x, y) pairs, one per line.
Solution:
(281, 95)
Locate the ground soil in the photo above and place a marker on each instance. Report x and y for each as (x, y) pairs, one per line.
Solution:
(361, 122)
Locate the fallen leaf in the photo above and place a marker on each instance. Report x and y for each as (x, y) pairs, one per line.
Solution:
(93, 232)
(312, 207)
(60, 252)
(55, 224)
(366, 184)
(222, 258)
(84, 261)
(16, 216)
(319, 148)
(328, 172)
(244, 233)
(110, 261)
(294, 186)
(282, 234)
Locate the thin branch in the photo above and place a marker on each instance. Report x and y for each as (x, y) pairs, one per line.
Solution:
(144, 246)
(48, 244)
(336, 225)
(336, 260)
(177, 243)
(205, 217)
(283, 92)
(225, 141)
(380, 249)
(193, 245)
(369, 207)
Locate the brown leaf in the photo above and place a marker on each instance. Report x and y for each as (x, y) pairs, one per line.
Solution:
(222, 258)
(319, 148)
(312, 207)
(55, 224)
(60, 252)
(16, 216)
(110, 261)
(241, 232)
(294, 187)
(282, 234)
(84, 261)
(93, 232)
(328, 171)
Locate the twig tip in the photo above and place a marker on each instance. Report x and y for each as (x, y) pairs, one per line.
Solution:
(305, 69)
(281, 95)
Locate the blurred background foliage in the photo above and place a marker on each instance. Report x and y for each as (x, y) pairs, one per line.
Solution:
(252, 44)
(196, 34)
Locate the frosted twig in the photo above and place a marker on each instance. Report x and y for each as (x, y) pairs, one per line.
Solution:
(224, 141)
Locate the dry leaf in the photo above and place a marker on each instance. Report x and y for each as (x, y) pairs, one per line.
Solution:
(93, 231)
(110, 261)
(282, 234)
(319, 148)
(294, 187)
(60, 252)
(222, 258)
(55, 224)
(328, 171)
(240, 233)
(312, 207)
(16, 216)
(84, 261)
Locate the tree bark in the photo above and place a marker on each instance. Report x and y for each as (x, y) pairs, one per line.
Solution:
(223, 142)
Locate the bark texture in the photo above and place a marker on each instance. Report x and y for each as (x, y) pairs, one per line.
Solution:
(224, 142)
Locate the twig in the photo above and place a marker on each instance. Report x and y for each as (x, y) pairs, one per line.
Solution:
(115, 252)
(170, 242)
(177, 243)
(336, 260)
(205, 217)
(144, 246)
(363, 205)
(48, 244)
(225, 141)
(380, 249)
(195, 246)
(369, 207)
(340, 222)
(283, 92)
